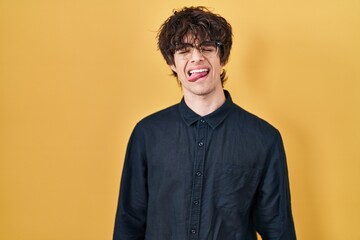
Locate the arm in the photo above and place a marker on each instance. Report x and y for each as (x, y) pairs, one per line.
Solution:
(272, 214)
(130, 221)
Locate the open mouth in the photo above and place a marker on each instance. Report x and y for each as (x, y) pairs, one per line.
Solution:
(195, 74)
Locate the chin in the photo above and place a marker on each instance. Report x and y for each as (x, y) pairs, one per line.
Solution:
(202, 92)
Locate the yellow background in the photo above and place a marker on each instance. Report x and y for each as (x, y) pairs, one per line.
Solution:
(76, 75)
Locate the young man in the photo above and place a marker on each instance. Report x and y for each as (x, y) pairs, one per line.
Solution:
(204, 168)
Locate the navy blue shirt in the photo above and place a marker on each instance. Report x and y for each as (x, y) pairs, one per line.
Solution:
(218, 177)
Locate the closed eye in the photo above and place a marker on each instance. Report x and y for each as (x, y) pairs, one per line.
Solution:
(208, 49)
(183, 51)
(184, 48)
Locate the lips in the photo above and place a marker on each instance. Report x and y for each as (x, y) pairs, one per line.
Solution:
(195, 74)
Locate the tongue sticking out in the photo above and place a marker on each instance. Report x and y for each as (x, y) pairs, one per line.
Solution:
(196, 75)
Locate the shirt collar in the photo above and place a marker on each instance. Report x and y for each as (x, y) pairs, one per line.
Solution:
(213, 119)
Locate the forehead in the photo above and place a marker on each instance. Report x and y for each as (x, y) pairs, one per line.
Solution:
(193, 38)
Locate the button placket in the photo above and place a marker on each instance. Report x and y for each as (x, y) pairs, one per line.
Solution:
(201, 132)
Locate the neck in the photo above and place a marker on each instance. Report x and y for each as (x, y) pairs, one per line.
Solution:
(205, 104)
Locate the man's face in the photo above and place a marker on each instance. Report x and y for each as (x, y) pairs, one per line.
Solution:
(198, 67)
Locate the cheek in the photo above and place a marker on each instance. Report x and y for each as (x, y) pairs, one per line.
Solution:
(180, 69)
(218, 69)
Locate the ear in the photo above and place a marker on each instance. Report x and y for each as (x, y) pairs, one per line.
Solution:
(173, 67)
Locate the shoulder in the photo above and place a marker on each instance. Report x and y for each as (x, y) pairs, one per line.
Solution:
(159, 119)
(253, 124)
(167, 114)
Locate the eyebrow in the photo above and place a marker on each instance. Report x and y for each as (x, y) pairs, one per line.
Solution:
(193, 44)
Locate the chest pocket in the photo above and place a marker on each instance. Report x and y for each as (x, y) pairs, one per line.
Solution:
(235, 186)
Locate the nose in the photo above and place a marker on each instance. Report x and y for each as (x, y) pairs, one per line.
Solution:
(196, 55)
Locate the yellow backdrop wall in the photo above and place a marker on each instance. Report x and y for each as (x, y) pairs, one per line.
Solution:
(75, 77)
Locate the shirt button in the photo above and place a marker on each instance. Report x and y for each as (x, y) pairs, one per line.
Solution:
(200, 144)
(193, 231)
(198, 174)
(196, 202)
(202, 120)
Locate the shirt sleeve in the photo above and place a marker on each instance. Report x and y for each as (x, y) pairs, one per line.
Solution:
(130, 220)
(272, 214)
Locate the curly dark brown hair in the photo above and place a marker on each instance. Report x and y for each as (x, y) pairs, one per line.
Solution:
(199, 23)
